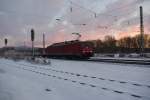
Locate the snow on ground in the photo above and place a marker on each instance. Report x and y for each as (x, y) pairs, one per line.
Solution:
(73, 80)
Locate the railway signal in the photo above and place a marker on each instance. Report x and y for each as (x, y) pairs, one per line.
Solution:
(32, 35)
(6, 41)
(32, 39)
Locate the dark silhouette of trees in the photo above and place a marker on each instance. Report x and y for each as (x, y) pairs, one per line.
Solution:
(123, 45)
(125, 42)
(133, 42)
(109, 42)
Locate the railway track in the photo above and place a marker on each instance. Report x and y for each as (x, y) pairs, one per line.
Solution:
(123, 61)
(83, 83)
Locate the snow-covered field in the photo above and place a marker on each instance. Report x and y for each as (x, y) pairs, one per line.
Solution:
(73, 80)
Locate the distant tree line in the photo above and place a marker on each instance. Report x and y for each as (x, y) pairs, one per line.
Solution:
(123, 45)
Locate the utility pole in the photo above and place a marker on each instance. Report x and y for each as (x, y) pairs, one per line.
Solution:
(32, 39)
(141, 31)
(24, 48)
(43, 44)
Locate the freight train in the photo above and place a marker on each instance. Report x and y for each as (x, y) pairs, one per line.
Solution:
(70, 49)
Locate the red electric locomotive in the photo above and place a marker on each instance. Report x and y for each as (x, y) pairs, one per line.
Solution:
(70, 49)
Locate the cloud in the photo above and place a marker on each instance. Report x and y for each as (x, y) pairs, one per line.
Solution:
(114, 17)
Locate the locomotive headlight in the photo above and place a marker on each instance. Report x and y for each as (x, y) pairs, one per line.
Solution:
(83, 51)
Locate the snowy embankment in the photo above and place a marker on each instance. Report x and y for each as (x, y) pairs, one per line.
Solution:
(122, 58)
(73, 80)
(133, 56)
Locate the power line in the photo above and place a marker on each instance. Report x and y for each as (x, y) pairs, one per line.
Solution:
(82, 7)
(89, 10)
(118, 8)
